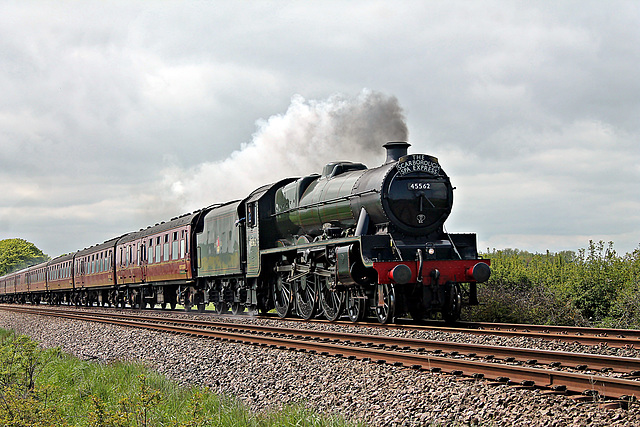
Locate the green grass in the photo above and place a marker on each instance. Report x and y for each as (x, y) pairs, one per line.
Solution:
(72, 392)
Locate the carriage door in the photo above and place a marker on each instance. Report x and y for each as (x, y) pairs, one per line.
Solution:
(142, 260)
(82, 272)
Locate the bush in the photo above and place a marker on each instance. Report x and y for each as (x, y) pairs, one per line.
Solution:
(593, 286)
(22, 403)
(534, 304)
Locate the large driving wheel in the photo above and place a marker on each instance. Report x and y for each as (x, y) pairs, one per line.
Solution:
(355, 305)
(386, 303)
(306, 296)
(331, 301)
(282, 296)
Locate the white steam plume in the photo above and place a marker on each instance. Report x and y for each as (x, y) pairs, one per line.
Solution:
(297, 143)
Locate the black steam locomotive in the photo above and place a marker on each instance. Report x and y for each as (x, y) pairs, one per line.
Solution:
(352, 241)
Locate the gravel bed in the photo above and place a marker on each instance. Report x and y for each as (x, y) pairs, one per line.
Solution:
(266, 379)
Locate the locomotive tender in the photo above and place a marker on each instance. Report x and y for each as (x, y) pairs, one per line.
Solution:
(351, 240)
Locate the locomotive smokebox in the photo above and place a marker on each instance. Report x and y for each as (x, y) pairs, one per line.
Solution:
(395, 150)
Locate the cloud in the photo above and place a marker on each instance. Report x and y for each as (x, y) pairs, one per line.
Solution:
(146, 108)
(561, 186)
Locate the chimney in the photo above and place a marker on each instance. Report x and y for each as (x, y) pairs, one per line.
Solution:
(395, 150)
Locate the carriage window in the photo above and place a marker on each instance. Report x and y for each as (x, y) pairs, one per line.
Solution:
(182, 248)
(166, 248)
(174, 249)
(151, 251)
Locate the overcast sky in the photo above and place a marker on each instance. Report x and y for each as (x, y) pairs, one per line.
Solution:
(118, 115)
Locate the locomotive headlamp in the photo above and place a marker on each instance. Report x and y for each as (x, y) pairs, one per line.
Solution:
(431, 251)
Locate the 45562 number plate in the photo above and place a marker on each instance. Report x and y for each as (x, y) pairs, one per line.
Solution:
(419, 186)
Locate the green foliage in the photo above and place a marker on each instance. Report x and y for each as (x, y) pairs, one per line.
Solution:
(16, 254)
(22, 403)
(624, 310)
(593, 286)
(535, 304)
(47, 388)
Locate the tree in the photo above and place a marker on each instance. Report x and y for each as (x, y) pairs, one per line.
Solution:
(16, 254)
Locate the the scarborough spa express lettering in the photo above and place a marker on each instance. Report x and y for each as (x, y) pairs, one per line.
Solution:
(418, 163)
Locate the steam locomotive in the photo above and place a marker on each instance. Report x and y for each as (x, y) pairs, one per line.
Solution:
(350, 241)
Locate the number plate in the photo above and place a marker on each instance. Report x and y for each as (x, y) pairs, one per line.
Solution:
(419, 186)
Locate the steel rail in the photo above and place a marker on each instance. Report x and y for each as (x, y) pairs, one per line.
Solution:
(554, 329)
(617, 388)
(586, 336)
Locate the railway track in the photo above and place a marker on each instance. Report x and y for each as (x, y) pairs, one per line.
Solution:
(581, 335)
(558, 372)
(572, 334)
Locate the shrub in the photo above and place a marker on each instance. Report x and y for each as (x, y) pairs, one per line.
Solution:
(594, 285)
(22, 403)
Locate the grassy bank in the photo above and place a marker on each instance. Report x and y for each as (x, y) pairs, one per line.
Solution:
(49, 388)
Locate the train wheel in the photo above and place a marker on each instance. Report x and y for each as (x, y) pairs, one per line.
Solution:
(252, 310)
(199, 302)
(332, 303)
(172, 305)
(282, 297)
(221, 307)
(386, 307)
(237, 308)
(355, 305)
(451, 312)
(306, 297)
(163, 306)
